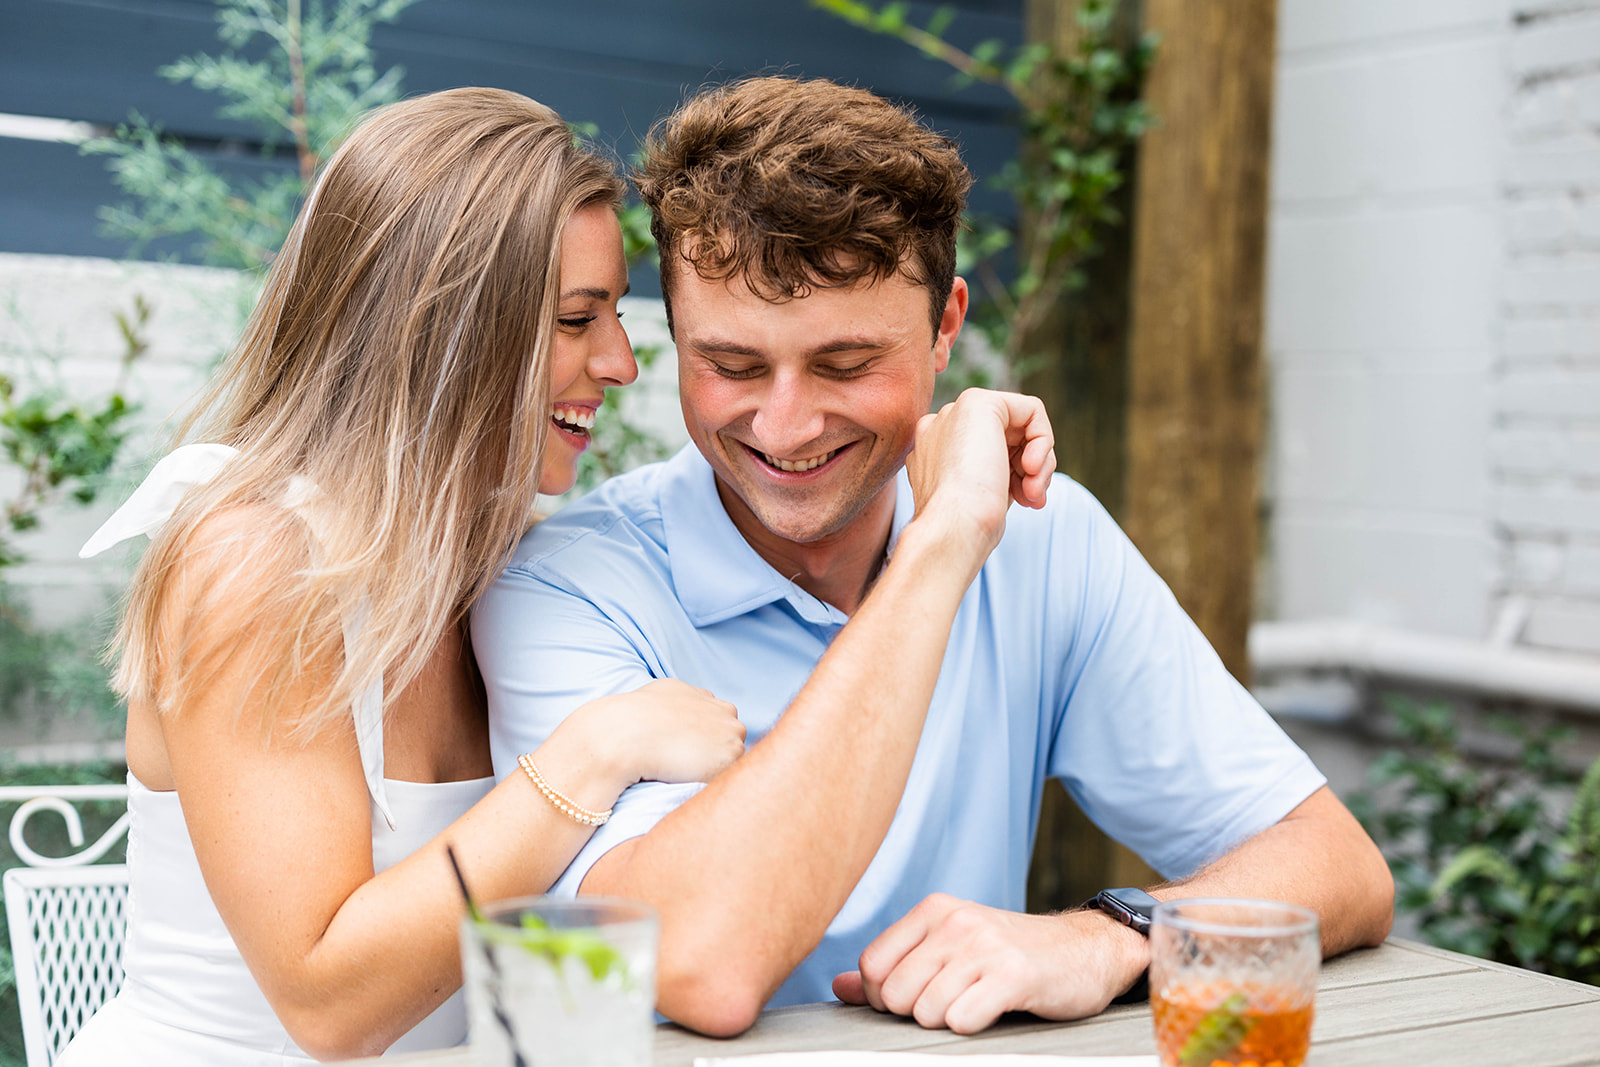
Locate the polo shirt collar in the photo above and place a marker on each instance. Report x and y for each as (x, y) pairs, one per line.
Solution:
(715, 573)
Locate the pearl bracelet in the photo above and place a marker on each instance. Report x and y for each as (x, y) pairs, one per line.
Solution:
(568, 807)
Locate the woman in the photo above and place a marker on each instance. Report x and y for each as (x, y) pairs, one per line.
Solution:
(306, 731)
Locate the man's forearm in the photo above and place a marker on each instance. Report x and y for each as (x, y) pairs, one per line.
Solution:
(1316, 856)
(748, 874)
(1070, 965)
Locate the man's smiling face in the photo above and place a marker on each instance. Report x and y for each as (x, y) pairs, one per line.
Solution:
(806, 408)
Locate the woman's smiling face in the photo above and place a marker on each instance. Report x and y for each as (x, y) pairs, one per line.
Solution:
(590, 352)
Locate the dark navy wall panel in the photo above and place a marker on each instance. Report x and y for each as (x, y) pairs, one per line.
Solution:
(619, 64)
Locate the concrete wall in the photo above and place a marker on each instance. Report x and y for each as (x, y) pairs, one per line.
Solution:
(1433, 319)
(1545, 439)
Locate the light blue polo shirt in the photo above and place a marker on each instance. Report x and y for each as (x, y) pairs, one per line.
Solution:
(1068, 657)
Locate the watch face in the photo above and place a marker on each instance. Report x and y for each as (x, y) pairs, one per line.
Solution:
(1128, 905)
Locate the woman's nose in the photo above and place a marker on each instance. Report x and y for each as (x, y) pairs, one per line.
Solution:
(614, 363)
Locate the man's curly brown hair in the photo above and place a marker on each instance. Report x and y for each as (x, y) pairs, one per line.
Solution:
(795, 184)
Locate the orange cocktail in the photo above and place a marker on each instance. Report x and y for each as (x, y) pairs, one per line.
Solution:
(1208, 1024)
(1233, 982)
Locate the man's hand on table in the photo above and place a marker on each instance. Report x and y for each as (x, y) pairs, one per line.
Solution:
(954, 964)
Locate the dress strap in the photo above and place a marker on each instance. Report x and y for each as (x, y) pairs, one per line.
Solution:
(159, 495)
(154, 502)
(368, 711)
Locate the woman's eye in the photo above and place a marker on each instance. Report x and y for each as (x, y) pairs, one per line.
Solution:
(574, 322)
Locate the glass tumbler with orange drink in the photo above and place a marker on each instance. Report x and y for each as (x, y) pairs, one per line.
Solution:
(1232, 982)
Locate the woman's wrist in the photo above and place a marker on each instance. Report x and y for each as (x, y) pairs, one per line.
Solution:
(580, 760)
(936, 545)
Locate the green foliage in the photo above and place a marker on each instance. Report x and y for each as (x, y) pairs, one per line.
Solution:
(314, 79)
(638, 243)
(1482, 854)
(62, 448)
(55, 669)
(1081, 116)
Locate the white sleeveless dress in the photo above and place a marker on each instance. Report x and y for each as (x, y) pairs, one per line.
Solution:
(187, 998)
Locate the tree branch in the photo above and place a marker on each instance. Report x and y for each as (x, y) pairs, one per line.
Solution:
(297, 81)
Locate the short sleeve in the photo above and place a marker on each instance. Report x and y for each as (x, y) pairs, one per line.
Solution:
(1157, 742)
(544, 652)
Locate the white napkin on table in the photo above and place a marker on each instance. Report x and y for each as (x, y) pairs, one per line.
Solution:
(920, 1059)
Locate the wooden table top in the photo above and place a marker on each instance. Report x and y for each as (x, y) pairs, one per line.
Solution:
(1401, 1005)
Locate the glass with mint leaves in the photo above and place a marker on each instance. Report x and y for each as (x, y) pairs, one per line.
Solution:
(1233, 982)
(561, 983)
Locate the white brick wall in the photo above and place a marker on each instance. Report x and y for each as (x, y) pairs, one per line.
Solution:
(1433, 317)
(1384, 268)
(1545, 451)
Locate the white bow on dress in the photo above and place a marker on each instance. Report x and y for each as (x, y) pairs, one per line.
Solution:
(153, 503)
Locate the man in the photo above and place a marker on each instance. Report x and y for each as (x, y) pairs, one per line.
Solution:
(880, 824)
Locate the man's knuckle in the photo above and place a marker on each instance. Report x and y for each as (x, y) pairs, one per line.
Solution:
(897, 995)
(929, 1015)
(964, 922)
(874, 964)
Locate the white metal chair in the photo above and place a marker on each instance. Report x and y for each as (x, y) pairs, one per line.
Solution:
(68, 921)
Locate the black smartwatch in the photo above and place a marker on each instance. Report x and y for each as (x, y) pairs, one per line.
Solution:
(1132, 908)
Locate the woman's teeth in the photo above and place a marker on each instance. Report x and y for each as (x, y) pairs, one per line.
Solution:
(799, 464)
(574, 418)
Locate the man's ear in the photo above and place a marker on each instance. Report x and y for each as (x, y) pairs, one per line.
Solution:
(955, 313)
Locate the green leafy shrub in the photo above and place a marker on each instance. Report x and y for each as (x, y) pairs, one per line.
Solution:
(1501, 860)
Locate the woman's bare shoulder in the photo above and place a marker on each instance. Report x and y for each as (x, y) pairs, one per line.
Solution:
(232, 573)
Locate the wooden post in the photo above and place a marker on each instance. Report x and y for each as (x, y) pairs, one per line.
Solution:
(1157, 397)
(1084, 388)
(1194, 346)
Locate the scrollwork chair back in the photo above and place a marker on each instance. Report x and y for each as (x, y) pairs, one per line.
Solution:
(68, 919)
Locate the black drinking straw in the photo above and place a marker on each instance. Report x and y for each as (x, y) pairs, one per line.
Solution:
(495, 1005)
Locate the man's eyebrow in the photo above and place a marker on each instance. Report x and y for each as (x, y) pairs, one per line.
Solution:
(728, 346)
(858, 343)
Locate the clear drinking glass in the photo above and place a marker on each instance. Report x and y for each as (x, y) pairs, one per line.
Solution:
(561, 983)
(1233, 982)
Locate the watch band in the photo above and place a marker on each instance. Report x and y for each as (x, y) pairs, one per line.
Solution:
(1132, 908)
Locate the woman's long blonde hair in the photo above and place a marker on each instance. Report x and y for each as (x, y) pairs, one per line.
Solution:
(399, 362)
